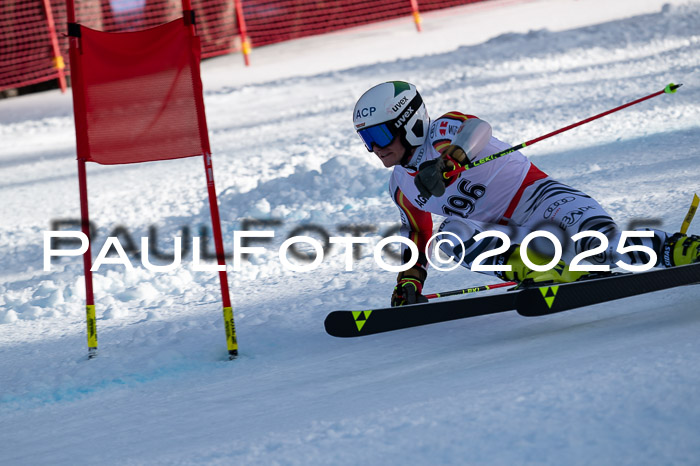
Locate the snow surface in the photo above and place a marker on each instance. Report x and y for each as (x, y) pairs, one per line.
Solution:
(609, 384)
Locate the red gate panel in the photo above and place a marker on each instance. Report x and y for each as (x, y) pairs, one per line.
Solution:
(141, 95)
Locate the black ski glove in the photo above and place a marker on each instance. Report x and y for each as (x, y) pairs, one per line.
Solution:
(409, 285)
(430, 179)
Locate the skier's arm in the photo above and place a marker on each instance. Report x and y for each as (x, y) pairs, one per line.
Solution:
(416, 225)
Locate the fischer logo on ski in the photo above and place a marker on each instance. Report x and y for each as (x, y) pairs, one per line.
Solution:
(360, 318)
(549, 293)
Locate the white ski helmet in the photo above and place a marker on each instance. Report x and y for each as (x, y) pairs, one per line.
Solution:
(388, 110)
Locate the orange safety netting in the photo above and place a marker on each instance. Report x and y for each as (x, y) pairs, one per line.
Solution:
(270, 21)
(27, 53)
(32, 50)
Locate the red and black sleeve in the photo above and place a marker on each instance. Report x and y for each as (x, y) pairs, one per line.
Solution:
(417, 225)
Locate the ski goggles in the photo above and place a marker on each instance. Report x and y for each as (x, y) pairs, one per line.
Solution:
(381, 135)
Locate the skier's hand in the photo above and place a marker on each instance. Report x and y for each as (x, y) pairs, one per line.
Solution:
(456, 153)
(430, 179)
(409, 285)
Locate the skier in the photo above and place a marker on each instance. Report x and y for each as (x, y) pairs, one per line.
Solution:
(507, 194)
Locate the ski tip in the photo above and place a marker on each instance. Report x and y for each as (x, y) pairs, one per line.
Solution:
(672, 88)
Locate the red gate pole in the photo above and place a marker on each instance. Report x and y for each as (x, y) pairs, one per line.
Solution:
(245, 44)
(80, 129)
(87, 263)
(57, 57)
(229, 325)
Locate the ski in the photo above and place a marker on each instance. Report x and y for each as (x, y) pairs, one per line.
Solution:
(551, 299)
(528, 301)
(368, 322)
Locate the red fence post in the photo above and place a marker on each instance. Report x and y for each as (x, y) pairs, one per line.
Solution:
(416, 15)
(245, 44)
(58, 62)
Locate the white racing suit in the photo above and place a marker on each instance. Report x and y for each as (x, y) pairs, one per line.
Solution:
(508, 194)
